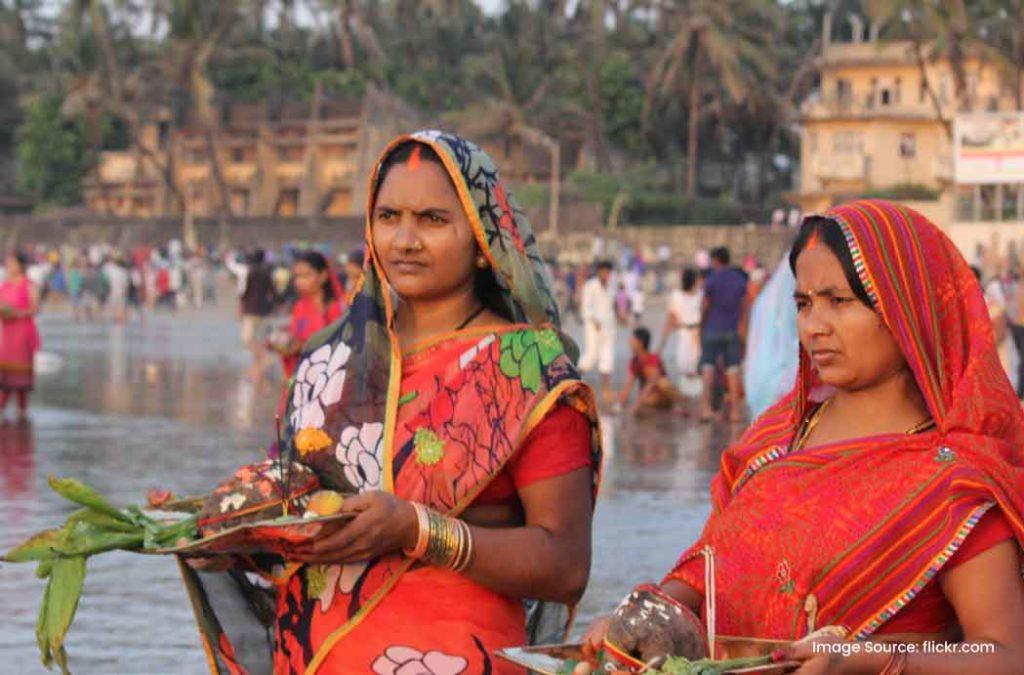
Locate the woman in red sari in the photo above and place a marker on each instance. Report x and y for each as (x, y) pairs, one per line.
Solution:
(19, 302)
(883, 497)
(320, 303)
(451, 406)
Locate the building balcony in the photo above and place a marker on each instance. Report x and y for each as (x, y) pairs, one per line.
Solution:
(240, 173)
(289, 172)
(835, 108)
(896, 52)
(338, 176)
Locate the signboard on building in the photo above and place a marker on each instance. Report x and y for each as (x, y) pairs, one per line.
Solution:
(988, 148)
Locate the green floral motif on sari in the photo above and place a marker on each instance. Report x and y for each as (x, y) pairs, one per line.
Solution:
(525, 354)
(429, 448)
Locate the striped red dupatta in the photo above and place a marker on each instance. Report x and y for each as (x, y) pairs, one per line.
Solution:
(848, 533)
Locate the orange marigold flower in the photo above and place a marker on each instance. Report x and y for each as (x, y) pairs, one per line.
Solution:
(311, 440)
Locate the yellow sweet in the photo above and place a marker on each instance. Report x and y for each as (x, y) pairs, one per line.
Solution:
(323, 503)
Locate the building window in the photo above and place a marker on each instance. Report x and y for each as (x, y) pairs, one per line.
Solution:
(886, 97)
(238, 155)
(848, 143)
(965, 203)
(989, 197)
(1011, 196)
(290, 153)
(844, 92)
(908, 145)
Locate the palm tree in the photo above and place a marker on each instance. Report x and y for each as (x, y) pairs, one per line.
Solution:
(718, 47)
(947, 30)
(196, 29)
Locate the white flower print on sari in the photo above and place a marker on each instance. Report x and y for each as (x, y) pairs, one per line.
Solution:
(339, 578)
(359, 453)
(399, 660)
(319, 381)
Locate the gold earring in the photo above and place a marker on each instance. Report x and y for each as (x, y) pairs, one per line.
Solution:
(481, 262)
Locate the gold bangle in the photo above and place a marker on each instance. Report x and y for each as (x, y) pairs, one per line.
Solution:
(466, 555)
(443, 543)
(422, 533)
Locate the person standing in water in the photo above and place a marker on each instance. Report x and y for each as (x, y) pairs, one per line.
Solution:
(19, 303)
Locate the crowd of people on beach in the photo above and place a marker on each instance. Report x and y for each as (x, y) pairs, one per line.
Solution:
(687, 325)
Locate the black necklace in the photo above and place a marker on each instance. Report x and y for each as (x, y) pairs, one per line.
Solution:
(469, 319)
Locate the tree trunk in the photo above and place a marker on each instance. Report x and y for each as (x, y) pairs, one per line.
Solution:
(693, 123)
(922, 67)
(348, 52)
(957, 54)
(100, 28)
(213, 150)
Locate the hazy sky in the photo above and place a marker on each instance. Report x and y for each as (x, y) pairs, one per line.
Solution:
(489, 5)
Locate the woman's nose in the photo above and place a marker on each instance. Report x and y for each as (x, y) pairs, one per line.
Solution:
(815, 322)
(406, 236)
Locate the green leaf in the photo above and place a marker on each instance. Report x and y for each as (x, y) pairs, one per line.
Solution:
(85, 540)
(166, 536)
(80, 493)
(60, 602)
(38, 547)
(101, 519)
(44, 568)
(42, 634)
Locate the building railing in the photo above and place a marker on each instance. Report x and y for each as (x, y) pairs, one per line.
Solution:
(855, 107)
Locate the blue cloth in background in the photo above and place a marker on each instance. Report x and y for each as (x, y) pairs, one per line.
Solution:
(772, 342)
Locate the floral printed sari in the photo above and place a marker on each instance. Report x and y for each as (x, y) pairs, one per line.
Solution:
(848, 533)
(438, 437)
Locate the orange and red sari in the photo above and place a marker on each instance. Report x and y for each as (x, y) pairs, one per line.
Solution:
(850, 533)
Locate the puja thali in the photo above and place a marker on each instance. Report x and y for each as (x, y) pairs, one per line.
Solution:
(553, 659)
(279, 535)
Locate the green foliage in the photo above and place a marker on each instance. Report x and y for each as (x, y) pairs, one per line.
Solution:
(53, 154)
(622, 95)
(615, 78)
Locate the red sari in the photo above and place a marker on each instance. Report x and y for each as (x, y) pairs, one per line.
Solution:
(850, 533)
(20, 340)
(308, 318)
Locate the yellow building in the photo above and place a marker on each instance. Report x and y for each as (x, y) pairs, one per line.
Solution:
(880, 123)
(300, 160)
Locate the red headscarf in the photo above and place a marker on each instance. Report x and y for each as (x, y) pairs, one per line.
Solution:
(863, 525)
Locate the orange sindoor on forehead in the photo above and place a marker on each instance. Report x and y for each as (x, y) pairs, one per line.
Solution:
(415, 161)
(814, 240)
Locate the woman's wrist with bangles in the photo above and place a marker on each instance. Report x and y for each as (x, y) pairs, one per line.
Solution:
(440, 540)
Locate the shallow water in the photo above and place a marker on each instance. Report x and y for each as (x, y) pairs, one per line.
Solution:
(167, 403)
